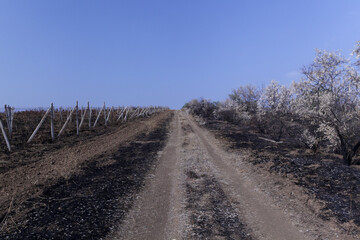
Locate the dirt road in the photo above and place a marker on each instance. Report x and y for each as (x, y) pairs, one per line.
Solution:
(162, 177)
(200, 191)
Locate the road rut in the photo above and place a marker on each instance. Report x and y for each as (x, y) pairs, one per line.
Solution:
(156, 212)
(195, 192)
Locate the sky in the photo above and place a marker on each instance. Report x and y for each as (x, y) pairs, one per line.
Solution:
(161, 52)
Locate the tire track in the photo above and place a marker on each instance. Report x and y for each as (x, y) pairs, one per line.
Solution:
(157, 211)
(265, 221)
(267, 217)
(195, 193)
(211, 213)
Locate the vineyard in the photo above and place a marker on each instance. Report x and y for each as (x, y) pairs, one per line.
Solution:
(29, 132)
(51, 145)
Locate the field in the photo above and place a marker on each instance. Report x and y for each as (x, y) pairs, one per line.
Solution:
(25, 122)
(30, 168)
(170, 175)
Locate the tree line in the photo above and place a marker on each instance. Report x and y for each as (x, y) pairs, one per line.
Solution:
(322, 108)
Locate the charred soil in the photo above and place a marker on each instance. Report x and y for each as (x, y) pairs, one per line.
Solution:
(211, 211)
(88, 203)
(327, 181)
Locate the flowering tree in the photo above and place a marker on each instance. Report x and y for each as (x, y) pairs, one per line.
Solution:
(274, 107)
(246, 98)
(230, 111)
(329, 98)
(356, 53)
(203, 108)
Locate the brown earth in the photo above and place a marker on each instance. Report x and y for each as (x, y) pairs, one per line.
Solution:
(330, 188)
(219, 195)
(29, 181)
(26, 121)
(129, 184)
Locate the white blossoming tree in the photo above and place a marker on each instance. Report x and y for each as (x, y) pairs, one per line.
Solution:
(274, 107)
(329, 97)
(230, 111)
(246, 98)
(202, 107)
(356, 53)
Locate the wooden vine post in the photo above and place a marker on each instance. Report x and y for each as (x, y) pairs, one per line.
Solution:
(39, 125)
(105, 115)
(9, 113)
(141, 112)
(12, 109)
(52, 122)
(60, 114)
(98, 116)
(108, 116)
(126, 114)
(81, 111)
(121, 113)
(5, 137)
(83, 116)
(135, 113)
(77, 119)
(67, 114)
(89, 116)
(67, 121)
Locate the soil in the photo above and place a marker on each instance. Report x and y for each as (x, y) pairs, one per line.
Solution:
(157, 210)
(333, 189)
(212, 212)
(218, 195)
(26, 121)
(158, 178)
(78, 192)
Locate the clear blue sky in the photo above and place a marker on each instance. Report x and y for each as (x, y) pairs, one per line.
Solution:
(165, 52)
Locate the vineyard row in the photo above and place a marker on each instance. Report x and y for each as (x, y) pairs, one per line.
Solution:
(23, 126)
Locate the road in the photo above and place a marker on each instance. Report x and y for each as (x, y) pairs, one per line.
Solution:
(201, 191)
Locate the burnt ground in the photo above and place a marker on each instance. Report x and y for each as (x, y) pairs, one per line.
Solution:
(183, 199)
(188, 187)
(211, 211)
(88, 204)
(323, 175)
